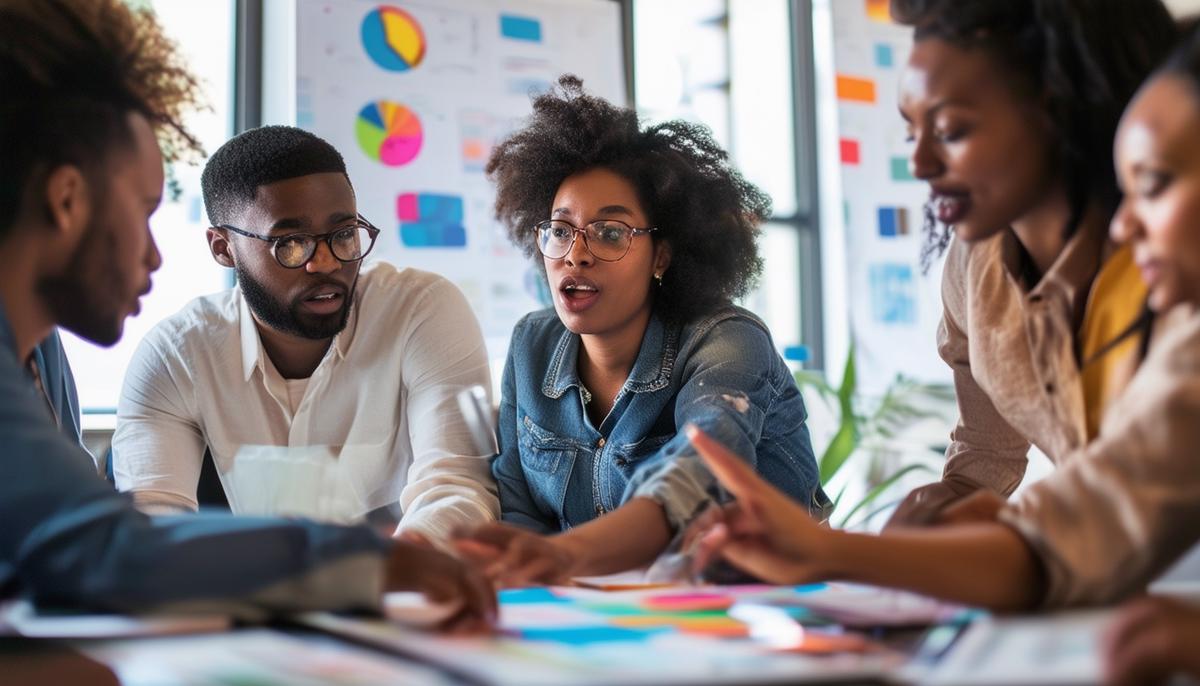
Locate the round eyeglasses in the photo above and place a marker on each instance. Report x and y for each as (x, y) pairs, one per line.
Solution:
(349, 243)
(608, 240)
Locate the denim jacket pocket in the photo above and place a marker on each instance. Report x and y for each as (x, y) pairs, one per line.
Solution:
(631, 455)
(543, 451)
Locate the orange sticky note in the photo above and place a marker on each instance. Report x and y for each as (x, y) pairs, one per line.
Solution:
(856, 89)
(878, 10)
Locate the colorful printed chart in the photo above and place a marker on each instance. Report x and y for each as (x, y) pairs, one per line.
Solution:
(431, 220)
(676, 635)
(393, 39)
(389, 133)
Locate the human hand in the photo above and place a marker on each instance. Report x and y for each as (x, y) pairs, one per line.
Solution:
(981, 506)
(444, 580)
(1151, 639)
(924, 505)
(763, 532)
(511, 556)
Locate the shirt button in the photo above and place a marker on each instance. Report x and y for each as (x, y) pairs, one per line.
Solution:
(600, 443)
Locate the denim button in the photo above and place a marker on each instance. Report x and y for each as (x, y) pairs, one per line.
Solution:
(600, 443)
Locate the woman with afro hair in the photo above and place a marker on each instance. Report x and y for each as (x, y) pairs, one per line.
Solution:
(645, 236)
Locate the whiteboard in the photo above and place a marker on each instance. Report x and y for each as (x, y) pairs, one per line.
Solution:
(415, 94)
(894, 307)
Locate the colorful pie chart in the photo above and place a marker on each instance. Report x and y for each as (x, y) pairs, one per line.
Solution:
(388, 133)
(393, 39)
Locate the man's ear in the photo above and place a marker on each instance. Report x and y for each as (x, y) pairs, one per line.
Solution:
(218, 245)
(68, 203)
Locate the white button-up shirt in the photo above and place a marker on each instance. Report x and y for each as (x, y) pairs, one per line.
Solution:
(377, 425)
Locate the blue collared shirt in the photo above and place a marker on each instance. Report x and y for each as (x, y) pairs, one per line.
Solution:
(67, 538)
(555, 469)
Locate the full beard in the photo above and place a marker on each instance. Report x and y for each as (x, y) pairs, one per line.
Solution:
(86, 298)
(289, 318)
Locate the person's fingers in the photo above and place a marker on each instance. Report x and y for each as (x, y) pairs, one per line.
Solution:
(493, 533)
(708, 547)
(1130, 621)
(981, 506)
(712, 514)
(754, 556)
(1142, 660)
(465, 625)
(746, 518)
(478, 554)
(520, 550)
(534, 570)
(733, 473)
(480, 595)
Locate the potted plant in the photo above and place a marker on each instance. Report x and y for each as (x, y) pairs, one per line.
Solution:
(866, 428)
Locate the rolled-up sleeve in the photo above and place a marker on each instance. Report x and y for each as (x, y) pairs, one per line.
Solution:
(1121, 510)
(726, 394)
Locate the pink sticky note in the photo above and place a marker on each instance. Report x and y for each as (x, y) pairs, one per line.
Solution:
(406, 207)
(689, 602)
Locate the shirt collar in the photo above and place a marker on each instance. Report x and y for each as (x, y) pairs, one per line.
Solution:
(651, 370)
(1070, 275)
(252, 350)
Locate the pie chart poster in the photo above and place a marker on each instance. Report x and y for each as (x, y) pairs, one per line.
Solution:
(415, 95)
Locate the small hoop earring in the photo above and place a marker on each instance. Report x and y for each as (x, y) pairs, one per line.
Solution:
(658, 278)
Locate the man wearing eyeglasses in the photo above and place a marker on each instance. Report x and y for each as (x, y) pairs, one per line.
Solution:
(319, 386)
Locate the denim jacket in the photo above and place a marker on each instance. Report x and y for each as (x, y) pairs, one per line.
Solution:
(556, 470)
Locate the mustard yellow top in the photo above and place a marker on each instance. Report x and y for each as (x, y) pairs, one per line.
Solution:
(1116, 300)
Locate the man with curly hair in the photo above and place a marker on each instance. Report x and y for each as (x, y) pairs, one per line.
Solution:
(645, 235)
(87, 85)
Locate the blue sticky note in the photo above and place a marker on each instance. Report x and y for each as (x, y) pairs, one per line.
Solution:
(887, 221)
(448, 208)
(520, 28)
(883, 55)
(517, 596)
(590, 634)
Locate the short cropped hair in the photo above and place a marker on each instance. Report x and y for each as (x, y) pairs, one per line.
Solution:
(259, 157)
(71, 71)
(702, 206)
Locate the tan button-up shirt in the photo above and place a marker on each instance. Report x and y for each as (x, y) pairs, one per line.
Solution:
(1013, 354)
(1117, 513)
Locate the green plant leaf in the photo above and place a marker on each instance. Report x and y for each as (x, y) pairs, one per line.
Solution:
(849, 385)
(837, 499)
(841, 446)
(876, 510)
(882, 487)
